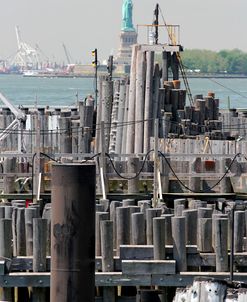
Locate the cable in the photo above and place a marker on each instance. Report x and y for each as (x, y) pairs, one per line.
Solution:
(201, 191)
(230, 89)
(137, 174)
(86, 160)
(42, 154)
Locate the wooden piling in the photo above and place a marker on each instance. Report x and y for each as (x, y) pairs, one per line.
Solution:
(159, 239)
(239, 231)
(148, 101)
(113, 205)
(73, 229)
(39, 255)
(191, 226)
(99, 217)
(150, 214)
(221, 248)
(6, 294)
(20, 232)
(133, 169)
(123, 226)
(132, 96)
(106, 228)
(204, 238)
(138, 229)
(179, 243)
(30, 214)
(139, 107)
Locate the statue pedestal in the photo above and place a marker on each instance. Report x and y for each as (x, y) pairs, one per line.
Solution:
(127, 39)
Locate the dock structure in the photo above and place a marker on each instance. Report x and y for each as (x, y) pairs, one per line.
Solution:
(164, 193)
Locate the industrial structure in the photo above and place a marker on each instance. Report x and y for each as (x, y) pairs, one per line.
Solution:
(26, 56)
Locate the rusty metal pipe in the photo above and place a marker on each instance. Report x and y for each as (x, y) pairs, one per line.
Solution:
(73, 233)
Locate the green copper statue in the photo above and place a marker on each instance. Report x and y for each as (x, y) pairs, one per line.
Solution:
(127, 8)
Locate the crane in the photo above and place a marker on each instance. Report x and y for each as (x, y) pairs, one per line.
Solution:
(26, 54)
(17, 123)
(68, 56)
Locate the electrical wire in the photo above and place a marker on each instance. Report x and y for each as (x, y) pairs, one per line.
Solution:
(42, 154)
(137, 174)
(201, 191)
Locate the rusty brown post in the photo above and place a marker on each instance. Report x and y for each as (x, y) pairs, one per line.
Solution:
(73, 232)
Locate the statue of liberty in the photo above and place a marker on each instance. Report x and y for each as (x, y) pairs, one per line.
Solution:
(127, 24)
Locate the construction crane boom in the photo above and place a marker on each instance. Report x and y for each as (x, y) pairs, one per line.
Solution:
(67, 54)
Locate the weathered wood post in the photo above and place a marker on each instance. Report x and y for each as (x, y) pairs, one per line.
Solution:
(9, 166)
(107, 256)
(133, 164)
(100, 216)
(132, 96)
(195, 181)
(140, 97)
(221, 248)
(191, 226)
(150, 214)
(123, 226)
(138, 229)
(204, 238)
(225, 184)
(113, 205)
(179, 243)
(168, 228)
(6, 252)
(39, 255)
(65, 132)
(239, 231)
(148, 101)
(73, 229)
(20, 232)
(30, 213)
(159, 238)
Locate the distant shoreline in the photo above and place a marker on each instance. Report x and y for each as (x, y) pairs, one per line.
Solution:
(218, 76)
(193, 76)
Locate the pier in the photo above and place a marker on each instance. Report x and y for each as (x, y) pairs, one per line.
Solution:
(142, 191)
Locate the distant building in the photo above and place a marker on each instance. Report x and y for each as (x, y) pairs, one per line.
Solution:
(128, 37)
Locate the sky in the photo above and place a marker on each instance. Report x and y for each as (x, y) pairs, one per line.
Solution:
(83, 25)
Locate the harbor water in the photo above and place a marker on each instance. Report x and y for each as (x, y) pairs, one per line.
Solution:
(66, 91)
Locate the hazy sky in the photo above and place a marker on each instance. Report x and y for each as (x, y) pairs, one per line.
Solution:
(86, 24)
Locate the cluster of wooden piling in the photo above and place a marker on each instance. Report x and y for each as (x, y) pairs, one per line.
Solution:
(163, 244)
(25, 236)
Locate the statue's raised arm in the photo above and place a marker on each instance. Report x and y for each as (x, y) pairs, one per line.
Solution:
(127, 24)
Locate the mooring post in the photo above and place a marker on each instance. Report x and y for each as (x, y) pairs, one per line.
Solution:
(133, 164)
(159, 238)
(20, 232)
(150, 214)
(106, 228)
(73, 232)
(6, 252)
(148, 101)
(39, 255)
(139, 105)
(37, 156)
(132, 96)
(138, 229)
(102, 167)
(221, 248)
(156, 162)
(30, 214)
(179, 243)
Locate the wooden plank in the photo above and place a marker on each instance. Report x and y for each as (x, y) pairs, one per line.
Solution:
(138, 252)
(146, 267)
(115, 279)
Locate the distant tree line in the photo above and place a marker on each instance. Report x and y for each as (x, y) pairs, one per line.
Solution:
(207, 61)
